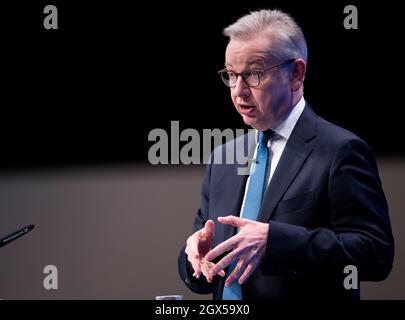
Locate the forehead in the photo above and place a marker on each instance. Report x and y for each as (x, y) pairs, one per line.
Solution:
(247, 51)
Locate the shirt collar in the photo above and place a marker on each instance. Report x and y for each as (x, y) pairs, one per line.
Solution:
(285, 128)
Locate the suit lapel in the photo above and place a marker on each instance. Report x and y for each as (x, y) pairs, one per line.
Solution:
(295, 152)
(235, 188)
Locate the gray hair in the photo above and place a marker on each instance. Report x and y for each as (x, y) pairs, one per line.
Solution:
(288, 41)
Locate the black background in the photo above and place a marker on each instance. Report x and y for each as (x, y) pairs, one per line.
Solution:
(91, 91)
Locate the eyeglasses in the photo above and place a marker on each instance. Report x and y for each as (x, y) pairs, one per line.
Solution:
(251, 78)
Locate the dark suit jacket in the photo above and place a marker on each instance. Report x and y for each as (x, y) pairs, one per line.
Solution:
(326, 210)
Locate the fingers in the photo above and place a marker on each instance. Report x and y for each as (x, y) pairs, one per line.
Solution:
(194, 258)
(192, 249)
(209, 228)
(231, 242)
(246, 247)
(251, 266)
(235, 274)
(226, 261)
(206, 236)
(247, 263)
(232, 220)
(206, 270)
(221, 248)
(193, 255)
(248, 271)
(244, 269)
(200, 255)
(202, 266)
(197, 246)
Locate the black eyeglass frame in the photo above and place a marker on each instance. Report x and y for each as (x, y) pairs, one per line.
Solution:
(244, 73)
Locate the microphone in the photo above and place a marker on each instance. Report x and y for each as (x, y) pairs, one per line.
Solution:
(15, 235)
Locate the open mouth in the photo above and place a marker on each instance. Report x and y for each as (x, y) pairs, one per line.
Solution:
(246, 109)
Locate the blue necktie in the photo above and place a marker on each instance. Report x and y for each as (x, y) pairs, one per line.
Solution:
(252, 203)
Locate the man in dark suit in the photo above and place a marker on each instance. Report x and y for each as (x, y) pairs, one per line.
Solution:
(312, 203)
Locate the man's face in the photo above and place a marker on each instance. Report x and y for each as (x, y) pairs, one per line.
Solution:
(261, 107)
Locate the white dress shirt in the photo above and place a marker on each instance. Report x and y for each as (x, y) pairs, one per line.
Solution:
(276, 146)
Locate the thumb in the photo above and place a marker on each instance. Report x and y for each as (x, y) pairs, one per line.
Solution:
(206, 237)
(209, 229)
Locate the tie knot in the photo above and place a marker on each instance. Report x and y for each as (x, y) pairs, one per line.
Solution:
(264, 136)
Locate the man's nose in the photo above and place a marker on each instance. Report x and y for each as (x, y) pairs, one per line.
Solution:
(241, 89)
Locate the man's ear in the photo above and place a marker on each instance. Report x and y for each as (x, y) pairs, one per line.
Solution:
(298, 74)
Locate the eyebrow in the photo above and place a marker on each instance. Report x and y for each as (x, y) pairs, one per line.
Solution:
(249, 62)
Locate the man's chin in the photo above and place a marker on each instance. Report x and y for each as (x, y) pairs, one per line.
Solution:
(250, 121)
(255, 124)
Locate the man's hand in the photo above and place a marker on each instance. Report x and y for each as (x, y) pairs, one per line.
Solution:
(198, 244)
(248, 246)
